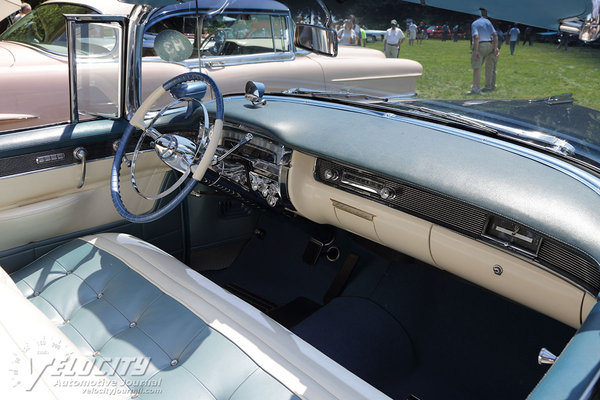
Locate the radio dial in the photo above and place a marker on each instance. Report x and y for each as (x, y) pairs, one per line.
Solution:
(386, 193)
(331, 175)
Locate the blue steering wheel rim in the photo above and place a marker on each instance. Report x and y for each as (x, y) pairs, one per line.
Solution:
(130, 129)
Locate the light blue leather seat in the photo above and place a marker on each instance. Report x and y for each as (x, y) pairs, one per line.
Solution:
(110, 311)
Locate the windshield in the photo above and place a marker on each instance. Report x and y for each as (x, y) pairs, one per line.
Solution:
(45, 27)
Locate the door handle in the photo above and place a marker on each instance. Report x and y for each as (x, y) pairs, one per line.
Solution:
(80, 154)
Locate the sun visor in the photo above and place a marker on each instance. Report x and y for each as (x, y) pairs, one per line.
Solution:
(537, 13)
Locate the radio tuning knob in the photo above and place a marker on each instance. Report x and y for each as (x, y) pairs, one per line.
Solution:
(386, 193)
(330, 174)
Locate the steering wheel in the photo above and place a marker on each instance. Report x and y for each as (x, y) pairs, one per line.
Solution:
(168, 148)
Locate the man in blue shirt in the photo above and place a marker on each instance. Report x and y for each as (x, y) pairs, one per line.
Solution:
(484, 49)
(513, 38)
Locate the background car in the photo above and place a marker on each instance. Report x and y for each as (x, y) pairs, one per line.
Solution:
(436, 32)
(34, 58)
(374, 35)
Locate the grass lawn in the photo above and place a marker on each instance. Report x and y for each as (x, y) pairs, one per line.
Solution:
(537, 71)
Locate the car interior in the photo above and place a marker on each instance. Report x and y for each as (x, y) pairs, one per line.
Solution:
(287, 247)
(413, 289)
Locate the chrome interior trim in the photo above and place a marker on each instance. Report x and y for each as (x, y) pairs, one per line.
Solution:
(61, 166)
(352, 210)
(222, 61)
(133, 64)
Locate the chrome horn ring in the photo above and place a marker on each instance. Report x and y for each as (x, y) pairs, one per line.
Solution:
(177, 152)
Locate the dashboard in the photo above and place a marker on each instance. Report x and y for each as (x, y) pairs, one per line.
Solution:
(302, 167)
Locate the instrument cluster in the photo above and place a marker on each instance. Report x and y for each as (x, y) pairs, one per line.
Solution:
(255, 164)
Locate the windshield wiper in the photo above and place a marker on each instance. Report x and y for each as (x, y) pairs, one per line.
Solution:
(335, 94)
(450, 116)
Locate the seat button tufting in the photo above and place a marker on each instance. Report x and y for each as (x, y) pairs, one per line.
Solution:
(99, 295)
(132, 325)
(96, 353)
(66, 321)
(69, 272)
(36, 294)
(174, 363)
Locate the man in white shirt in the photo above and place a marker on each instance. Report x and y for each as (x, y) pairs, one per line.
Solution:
(392, 39)
(484, 49)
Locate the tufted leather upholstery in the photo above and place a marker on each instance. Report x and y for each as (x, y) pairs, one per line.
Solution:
(109, 311)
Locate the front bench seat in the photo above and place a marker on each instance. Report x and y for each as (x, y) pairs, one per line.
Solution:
(116, 296)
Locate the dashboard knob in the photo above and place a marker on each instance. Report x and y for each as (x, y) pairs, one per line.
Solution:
(386, 193)
(331, 174)
(272, 200)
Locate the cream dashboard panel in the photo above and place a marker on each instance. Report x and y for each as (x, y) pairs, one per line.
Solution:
(327, 205)
(44, 204)
(519, 280)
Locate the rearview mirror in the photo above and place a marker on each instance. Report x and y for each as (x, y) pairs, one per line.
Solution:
(317, 39)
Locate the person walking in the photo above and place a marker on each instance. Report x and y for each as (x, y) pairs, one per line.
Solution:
(393, 38)
(513, 37)
(484, 48)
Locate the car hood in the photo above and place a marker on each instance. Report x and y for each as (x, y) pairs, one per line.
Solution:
(538, 13)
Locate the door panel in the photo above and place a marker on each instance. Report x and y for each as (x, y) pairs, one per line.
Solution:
(41, 205)
(39, 177)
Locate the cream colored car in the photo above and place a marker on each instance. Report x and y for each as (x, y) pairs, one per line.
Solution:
(235, 45)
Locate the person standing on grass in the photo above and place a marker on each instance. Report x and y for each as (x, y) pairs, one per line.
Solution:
(501, 38)
(363, 37)
(347, 35)
(420, 32)
(412, 33)
(484, 47)
(392, 40)
(563, 40)
(455, 33)
(513, 37)
(528, 35)
(445, 32)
